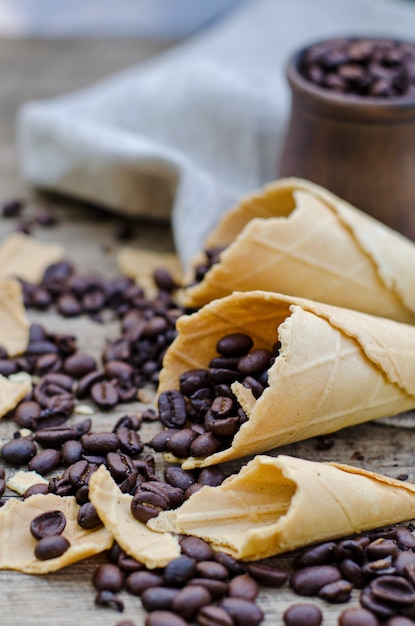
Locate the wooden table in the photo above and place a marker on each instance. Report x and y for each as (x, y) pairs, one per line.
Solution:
(33, 69)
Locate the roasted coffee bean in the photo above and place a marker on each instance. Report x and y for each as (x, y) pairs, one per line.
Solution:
(82, 495)
(336, 592)
(405, 539)
(120, 370)
(219, 376)
(381, 609)
(164, 618)
(267, 575)
(196, 548)
(179, 443)
(7, 367)
(399, 620)
(120, 466)
(68, 305)
(93, 301)
(380, 567)
(254, 385)
(172, 409)
(19, 451)
(25, 413)
(192, 489)
(42, 488)
(51, 417)
(48, 363)
(352, 571)
(394, 589)
(357, 617)
(147, 504)
(317, 555)
(189, 600)
(309, 580)
(159, 442)
(129, 441)
(88, 517)
(222, 406)
(205, 445)
(164, 280)
(243, 586)
(155, 326)
(214, 616)
(100, 443)
(158, 598)
(50, 547)
(55, 436)
(175, 476)
(45, 461)
(79, 473)
(217, 588)
(193, 380)
(255, 362)
(71, 451)
(78, 365)
(104, 394)
(179, 571)
(226, 427)
(231, 564)
(303, 615)
(86, 383)
(381, 548)
(234, 344)
(211, 569)
(128, 564)
(244, 612)
(37, 348)
(110, 599)
(108, 576)
(137, 582)
(212, 476)
(48, 523)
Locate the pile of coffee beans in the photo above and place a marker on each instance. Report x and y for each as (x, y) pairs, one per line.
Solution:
(204, 415)
(380, 68)
(47, 528)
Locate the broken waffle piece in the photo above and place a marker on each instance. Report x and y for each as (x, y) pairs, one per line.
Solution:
(23, 256)
(335, 368)
(17, 545)
(14, 324)
(295, 237)
(138, 541)
(278, 504)
(12, 390)
(141, 265)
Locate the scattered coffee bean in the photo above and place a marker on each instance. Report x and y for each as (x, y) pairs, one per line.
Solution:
(357, 617)
(19, 451)
(189, 600)
(303, 615)
(164, 618)
(46, 524)
(244, 612)
(51, 547)
(108, 577)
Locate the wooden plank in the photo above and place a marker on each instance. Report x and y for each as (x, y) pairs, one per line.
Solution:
(31, 69)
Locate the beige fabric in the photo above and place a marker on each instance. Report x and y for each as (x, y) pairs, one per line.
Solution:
(275, 505)
(297, 238)
(336, 367)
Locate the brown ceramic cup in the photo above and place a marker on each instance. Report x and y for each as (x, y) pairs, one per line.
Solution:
(362, 148)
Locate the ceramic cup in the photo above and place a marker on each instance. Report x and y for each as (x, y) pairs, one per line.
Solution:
(358, 146)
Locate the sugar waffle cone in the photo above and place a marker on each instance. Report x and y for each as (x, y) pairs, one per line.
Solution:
(278, 504)
(297, 238)
(336, 367)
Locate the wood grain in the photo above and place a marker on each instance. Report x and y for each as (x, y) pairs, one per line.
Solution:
(30, 69)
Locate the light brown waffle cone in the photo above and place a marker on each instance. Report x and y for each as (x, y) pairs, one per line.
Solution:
(336, 367)
(278, 504)
(297, 238)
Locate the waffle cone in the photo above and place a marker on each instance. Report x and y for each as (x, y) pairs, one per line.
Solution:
(295, 237)
(336, 367)
(278, 504)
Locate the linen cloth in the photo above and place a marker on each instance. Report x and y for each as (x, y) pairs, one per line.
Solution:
(184, 136)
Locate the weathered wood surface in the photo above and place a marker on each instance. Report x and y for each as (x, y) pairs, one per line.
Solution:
(31, 69)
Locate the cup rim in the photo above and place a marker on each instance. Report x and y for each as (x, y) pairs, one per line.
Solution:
(344, 101)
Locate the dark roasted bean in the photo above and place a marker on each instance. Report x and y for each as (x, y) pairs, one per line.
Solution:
(234, 344)
(357, 617)
(159, 442)
(394, 589)
(381, 609)
(193, 380)
(19, 451)
(104, 394)
(226, 427)
(267, 575)
(164, 618)
(55, 436)
(7, 367)
(138, 581)
(211, 569)
(381, 548)
(109, 598)
(309, 580)
(189, 600)
(50, 547)
(380, 567)
(147, 504)
(48, 363)
(303, 615)
(244, 612)
(196, 548)
(243, 586)
(217, 588)
(130, 441)
(82, 496)
(212, 476)
(180, 442)
(399, 620)
(352, 571)
(68, 305)
(71, 451)
(179, 571)
(35, 489)
(214, 616)
(255, 361)
(48, 523)
(219, 376)
(78, 365)
(101, 443)
(175, 476)
(205, 445)
(128, 564)
(158, 598)
(231, 564)
(336, 592)
(80, 473)
(108, 576)
(45, 461)
(254, 385)
(317, 555)
(86, 383)
(172, 409)
(405, 539)
(25, 412)
(88, 517)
